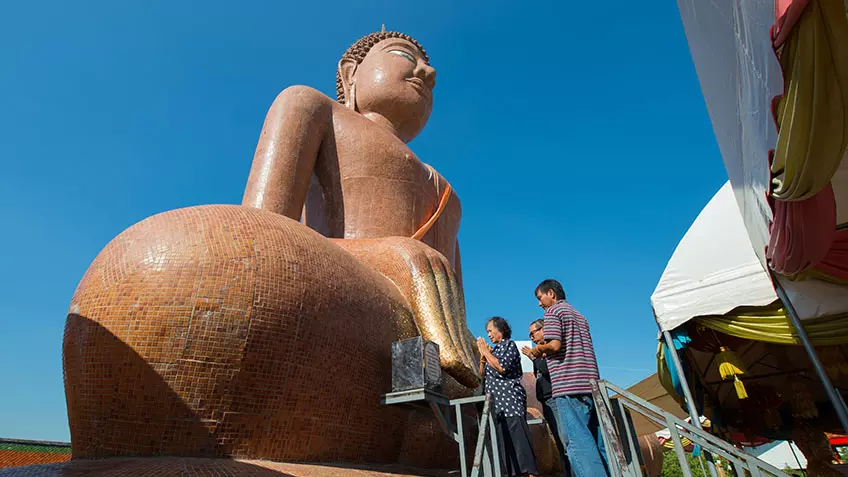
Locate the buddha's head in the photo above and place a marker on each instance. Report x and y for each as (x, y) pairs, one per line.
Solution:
(388, 74)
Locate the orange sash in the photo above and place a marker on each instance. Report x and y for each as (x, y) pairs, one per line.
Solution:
(432, 220)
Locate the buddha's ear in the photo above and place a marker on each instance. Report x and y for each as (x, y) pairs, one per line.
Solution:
(347, 68)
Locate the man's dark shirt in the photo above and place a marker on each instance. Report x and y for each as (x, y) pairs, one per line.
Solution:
(544, 391)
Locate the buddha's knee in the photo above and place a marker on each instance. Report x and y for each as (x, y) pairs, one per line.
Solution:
(196, 331)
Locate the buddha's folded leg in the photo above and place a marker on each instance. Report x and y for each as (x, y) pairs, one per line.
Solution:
(428, 282)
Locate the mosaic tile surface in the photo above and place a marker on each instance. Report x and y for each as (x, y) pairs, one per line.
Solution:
(206, 331)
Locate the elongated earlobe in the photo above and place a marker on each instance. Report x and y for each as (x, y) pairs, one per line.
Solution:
(350, 98)
(347, 69)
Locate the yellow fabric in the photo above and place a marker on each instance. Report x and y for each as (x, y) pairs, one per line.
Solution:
(814, 273)
(669, 443)
(812, 116)
(729, 367)
(771, 324)
(728, 364)
(741, 392)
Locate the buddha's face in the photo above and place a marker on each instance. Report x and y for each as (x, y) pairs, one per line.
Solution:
(395, 81)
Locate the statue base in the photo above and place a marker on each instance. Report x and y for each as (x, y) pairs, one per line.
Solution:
(187, 466)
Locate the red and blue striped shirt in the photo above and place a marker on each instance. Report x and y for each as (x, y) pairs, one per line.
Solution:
(575, 364)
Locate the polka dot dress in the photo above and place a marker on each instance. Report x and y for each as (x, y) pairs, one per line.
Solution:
(507, 393)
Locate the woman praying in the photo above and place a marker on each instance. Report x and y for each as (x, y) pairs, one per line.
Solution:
(501, 370)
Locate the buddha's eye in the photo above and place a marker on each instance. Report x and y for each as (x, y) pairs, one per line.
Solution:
(404, 54)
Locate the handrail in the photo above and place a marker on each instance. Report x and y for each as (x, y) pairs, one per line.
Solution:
(612, 441)
(739, 458)
(695, 438)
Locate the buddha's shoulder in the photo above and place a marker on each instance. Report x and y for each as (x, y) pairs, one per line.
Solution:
(304, 98)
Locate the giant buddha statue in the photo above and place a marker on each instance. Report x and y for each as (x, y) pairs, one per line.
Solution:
(264, 330)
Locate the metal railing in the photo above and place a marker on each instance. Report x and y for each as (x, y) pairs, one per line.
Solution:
(617, 430)
(486, 459)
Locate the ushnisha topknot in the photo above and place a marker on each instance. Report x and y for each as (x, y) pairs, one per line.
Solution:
(358, 50)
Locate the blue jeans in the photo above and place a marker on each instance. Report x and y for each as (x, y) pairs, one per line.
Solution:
(551, 419)
(581, 444)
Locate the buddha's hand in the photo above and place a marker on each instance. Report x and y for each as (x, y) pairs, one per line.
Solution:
(438, 305)
(428, 282)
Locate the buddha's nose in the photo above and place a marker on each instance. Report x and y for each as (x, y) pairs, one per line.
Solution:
(427, 73)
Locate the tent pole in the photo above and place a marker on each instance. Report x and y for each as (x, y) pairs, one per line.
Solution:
(687, 393)
(684, 383)
(800, 467)
(832, 394)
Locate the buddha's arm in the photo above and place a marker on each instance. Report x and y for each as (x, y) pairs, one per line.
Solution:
(457, 265)
(287, 149)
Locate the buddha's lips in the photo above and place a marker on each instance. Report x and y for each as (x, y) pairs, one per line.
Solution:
(419, 84)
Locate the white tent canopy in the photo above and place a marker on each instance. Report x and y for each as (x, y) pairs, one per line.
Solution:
(739, 76)
(714, 269)
(780, 454)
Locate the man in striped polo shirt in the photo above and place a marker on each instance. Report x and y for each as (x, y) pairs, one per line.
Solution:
(571, 363)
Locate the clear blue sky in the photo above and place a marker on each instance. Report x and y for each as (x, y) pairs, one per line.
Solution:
(574, 132)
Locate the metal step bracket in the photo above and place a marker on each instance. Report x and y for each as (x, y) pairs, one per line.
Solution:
(486, 452)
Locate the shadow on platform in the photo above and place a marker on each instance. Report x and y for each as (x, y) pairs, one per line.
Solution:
(193, 466)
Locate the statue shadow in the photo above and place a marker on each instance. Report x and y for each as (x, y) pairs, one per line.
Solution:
(199, 466)
(145, 466)
(134, 411)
